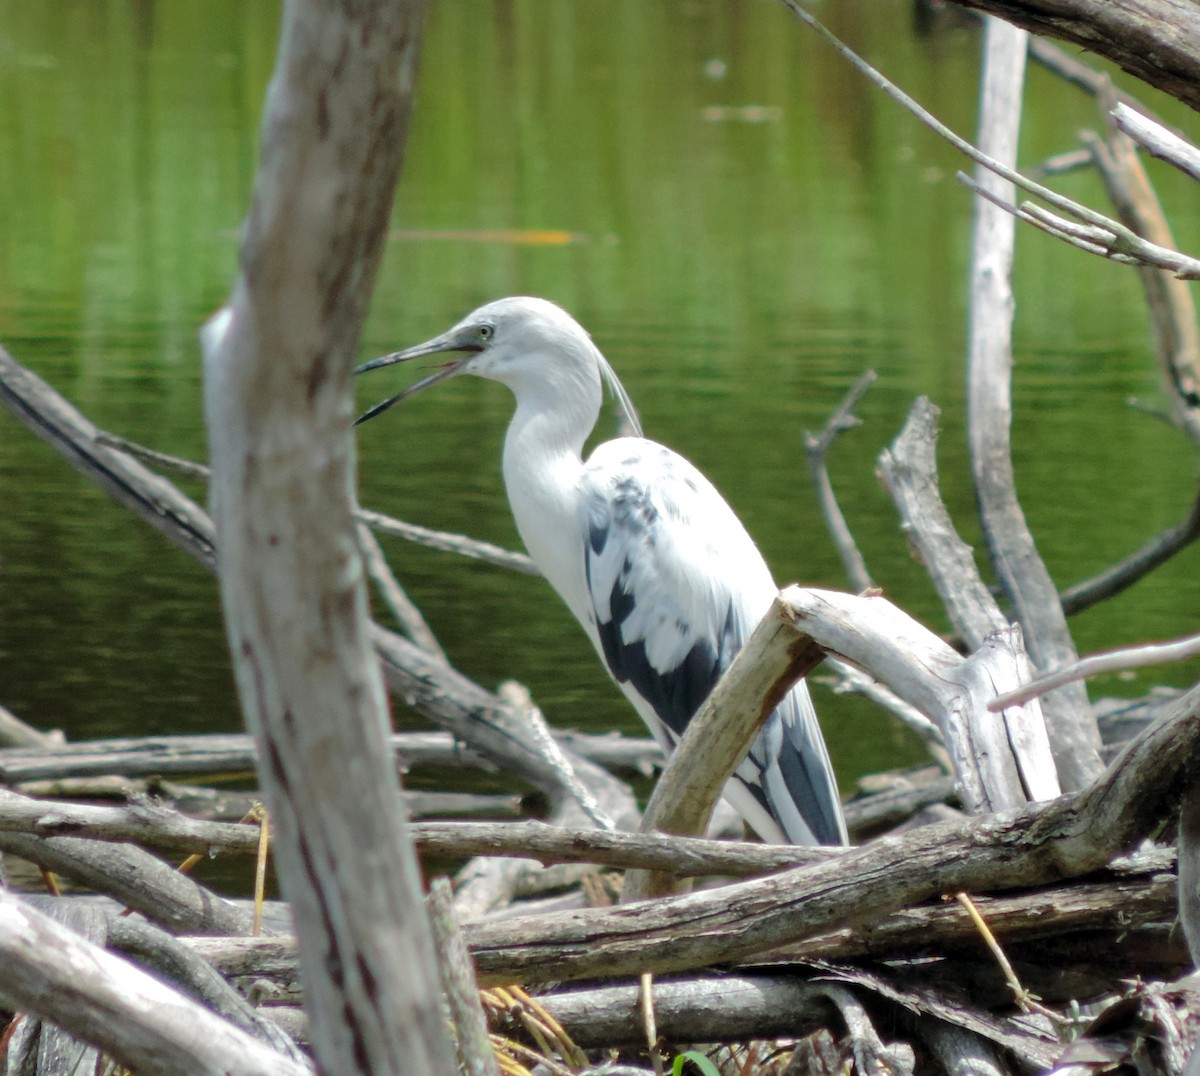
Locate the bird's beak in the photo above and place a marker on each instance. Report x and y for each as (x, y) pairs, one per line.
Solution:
(449, 342)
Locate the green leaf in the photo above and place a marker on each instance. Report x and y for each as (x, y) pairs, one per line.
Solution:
(702, 1063)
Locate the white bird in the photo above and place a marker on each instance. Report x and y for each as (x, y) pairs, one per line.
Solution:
(644, 551)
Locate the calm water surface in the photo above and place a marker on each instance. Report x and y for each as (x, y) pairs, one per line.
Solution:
(740, 222)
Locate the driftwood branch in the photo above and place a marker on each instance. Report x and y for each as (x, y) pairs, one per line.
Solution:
(134, 877)
(1157, 140)
(1072, 836)
(1157, 41)
(1133, 657)
(145, 1024)
(1051, 934)
(1064, 838)
(16, 733)
(909, 470)
(233, 753)
(169, 832)
(997, 766)
(1074, 739)
(278, 362)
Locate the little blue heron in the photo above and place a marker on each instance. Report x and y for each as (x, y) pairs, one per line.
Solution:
(645, 552)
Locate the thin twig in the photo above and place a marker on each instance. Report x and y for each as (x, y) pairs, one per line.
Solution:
(1136, 566)
(649, 1024)
(407, 615)
(395, 528)
(260, 865)
(1134, 657)
(1158, 141)
(447, 542)
(816, 451)
(187, 468)
(1124, 244)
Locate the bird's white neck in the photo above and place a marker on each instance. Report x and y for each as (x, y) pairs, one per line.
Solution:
(543, 463)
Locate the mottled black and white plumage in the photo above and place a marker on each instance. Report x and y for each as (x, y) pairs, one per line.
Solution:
(642, 548)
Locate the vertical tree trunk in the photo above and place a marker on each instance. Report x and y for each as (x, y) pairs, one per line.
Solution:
(277, 393)
(1074, 737)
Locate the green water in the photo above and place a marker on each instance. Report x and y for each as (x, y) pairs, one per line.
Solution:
(749, 227)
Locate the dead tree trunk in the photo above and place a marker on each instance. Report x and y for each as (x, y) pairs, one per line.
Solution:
(1074, 737)
(277, 395)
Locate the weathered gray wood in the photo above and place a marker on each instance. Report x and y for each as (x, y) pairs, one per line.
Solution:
(278, 365)
(1127, 903)
(144, 1024)
(1157, 41)
(1073, 735)
(15, 732)
(961, 1053)
(1063, 838)
(816, 452)
(1189, 869)
(179, 965)
(727, 1008)
(228, 753)
(160, 827)
(1160, 142)
(148, 495)
(476, 1057)
(169, 831)
(994, 768)
(59, 1053)
(1138, 904)
(909, 470)
(134, 877)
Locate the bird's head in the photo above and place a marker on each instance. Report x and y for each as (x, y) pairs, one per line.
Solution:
(509, 340)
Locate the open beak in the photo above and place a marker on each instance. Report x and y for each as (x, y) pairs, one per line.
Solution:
(439, 345)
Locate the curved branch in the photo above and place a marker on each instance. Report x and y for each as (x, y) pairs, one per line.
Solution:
(1157, 41)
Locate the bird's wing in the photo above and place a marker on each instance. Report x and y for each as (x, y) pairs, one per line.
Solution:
(788, 776)
(676, 585)
(658, 567)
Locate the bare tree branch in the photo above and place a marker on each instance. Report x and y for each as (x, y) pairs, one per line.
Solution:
(1157, 140)
(278, 365)
(1158, 41)
(816, 451)
(148, 1026)
(1133, 657)
(1074, 738)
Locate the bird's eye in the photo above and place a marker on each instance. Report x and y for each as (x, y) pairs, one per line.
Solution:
(485, 332)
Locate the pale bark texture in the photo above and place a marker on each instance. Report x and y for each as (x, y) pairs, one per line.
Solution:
(1156, 40)
(143, 1023)
(1073, 735)
(278, 405)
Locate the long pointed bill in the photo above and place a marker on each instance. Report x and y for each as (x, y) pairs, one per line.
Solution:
(433, 347)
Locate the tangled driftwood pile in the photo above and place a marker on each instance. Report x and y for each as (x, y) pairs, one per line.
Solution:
(1065, 949)
(1032, 925)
